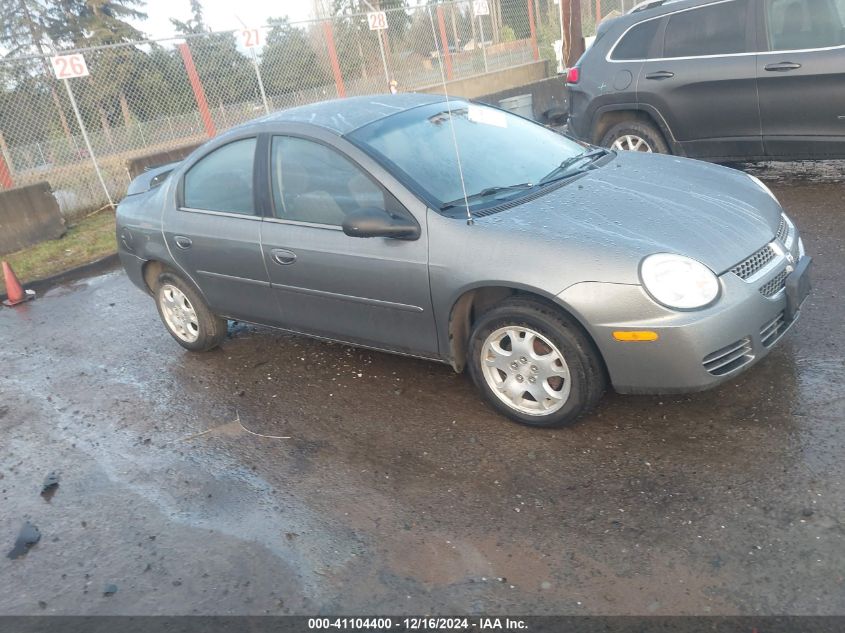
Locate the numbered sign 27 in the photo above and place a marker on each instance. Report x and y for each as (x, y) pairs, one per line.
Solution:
(250, 38)
(69, 66)
(377, 20)
(480, 7)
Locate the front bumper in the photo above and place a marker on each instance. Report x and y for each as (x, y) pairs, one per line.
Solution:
(695, 350)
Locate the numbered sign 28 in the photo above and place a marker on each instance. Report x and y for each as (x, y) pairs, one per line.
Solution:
(377, 20)
(69, 66)
(480, 7)
(250, 38)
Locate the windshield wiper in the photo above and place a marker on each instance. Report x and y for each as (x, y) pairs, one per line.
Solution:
(484, 193)
(564, 170)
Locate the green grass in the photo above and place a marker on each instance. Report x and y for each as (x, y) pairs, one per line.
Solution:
(87, 240)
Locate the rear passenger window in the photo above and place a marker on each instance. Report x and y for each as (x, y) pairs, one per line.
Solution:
(717, 29)
(222, 180)
(802, 24)
(636, 43)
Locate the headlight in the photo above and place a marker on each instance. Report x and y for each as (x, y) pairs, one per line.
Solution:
(762, 186)
(679, 282)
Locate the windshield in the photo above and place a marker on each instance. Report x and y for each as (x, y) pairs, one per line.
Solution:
(503, 156)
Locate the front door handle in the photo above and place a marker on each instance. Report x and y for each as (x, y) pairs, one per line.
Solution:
(183, 242)
(282, 256)
(660, 74)
(782, 66)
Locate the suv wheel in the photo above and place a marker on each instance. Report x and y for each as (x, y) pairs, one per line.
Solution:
(534, 365)
(636, 136)
(186, 316)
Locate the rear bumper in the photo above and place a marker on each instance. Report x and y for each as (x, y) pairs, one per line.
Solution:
(134, 267)
(694, 351)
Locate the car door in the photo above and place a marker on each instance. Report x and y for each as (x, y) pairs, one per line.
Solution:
(370, 291)
(801, 78)
(703, 83)
(214, 232)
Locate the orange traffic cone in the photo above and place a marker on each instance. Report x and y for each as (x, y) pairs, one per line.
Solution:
(14, 290)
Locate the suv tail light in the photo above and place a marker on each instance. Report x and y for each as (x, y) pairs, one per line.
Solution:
(573, 75)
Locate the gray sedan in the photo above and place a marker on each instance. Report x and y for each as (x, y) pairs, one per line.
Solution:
(460, 233)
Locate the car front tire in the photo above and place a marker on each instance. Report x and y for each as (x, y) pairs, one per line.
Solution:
(186, 315)
(534, 364)
(637, 136)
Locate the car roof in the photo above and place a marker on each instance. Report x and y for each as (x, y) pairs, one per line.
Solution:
(659, 7)
(345, 115)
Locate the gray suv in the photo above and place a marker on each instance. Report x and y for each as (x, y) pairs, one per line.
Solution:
(726, 80)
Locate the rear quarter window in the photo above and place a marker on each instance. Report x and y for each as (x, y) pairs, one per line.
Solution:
(636, 43)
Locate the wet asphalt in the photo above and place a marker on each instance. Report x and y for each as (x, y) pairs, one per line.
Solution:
(388, 486)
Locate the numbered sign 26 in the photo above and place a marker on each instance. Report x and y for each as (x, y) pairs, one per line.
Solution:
(480, 7)
(377, 20)
(69, 66)
(250, 38)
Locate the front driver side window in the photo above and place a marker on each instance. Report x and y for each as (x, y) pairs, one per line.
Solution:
(314, 183)
(222, 180)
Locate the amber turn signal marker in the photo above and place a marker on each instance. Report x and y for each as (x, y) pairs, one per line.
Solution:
(635, 335)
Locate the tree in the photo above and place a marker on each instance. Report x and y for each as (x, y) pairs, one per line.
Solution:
(227, 75)
(288, 62)
(83, 23)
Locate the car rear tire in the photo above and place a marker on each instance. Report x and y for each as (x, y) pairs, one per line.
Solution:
(637, 136)
(534, 364)
(186, 315)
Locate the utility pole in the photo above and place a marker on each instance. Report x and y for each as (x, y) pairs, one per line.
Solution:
(570, 17)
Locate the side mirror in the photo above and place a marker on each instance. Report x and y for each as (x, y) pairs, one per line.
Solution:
(373, 222)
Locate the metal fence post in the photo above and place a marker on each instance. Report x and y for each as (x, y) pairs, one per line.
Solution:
(196, 85)
(6, 165)
(87, 140)
(338, 76)
(483, 49)
(383, 58)
(260, 82)
(534, 28)
(444, 40)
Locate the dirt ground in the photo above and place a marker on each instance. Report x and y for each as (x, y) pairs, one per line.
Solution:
(387, 486)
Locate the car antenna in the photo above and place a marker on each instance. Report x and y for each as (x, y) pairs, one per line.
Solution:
(440, 55)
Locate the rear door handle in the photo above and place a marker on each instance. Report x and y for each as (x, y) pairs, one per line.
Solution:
(660, 74)
(182, 241)
(782, 66)
(282, 256)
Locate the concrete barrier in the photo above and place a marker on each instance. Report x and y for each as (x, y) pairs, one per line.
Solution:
(140, 164)
(550, 98)
(549, 94)
(29, 215)
(493, 82)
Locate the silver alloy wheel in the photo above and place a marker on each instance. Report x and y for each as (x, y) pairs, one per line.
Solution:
(179, 313)
(525, 370)
(631, 143)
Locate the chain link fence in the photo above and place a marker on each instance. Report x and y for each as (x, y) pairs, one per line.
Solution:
(145, 97)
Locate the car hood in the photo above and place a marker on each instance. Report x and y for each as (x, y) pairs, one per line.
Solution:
(639, 204)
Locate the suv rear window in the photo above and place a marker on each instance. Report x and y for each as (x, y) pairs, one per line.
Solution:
(717, 29)
(636, 43)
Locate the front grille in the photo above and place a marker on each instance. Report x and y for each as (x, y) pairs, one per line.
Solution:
(751, 265)
(771, 332)
(729, 358)
(775, 284)
(783, 231)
